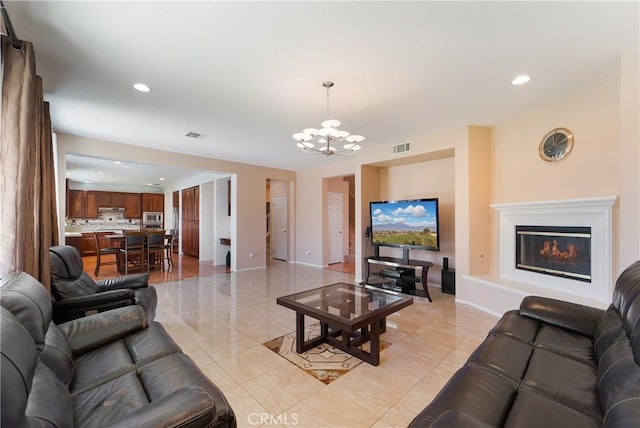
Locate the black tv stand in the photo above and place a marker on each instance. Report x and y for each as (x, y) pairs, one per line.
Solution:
(398, 274)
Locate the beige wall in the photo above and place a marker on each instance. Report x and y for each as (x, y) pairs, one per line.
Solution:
(248, 188)
(431, 179)
(592, 168)
(490, 165)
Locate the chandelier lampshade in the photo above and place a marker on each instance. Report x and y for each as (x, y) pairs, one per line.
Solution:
(328, 140)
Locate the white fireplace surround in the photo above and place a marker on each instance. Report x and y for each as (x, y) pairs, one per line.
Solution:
(497, 293)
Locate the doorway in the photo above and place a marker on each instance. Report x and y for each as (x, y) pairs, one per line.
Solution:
(277, 236)
(345, 186)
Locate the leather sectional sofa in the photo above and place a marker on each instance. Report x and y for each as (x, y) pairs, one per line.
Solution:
(551, 364)
(115, 368)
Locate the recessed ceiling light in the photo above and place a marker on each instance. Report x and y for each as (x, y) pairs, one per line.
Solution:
(521, 80)
(149, 184)
(161, 178)
(142, 87)
(100, 172)
(117, 162)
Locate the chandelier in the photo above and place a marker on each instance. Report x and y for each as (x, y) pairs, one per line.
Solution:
(327, 136)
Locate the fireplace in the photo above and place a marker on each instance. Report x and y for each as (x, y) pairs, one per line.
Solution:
(554, 250)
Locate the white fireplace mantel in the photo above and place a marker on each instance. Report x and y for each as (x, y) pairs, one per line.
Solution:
(513, 284)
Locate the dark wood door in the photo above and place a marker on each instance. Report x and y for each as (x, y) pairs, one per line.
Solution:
(191, 222)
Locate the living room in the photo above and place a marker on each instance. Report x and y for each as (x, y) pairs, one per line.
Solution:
(482, 168)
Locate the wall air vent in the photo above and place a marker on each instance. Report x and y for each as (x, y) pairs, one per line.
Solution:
(401, 148)
(195, 135)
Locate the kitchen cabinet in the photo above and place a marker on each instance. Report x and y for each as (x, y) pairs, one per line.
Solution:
(104, 199)
(91, 207)
(76, 204)
(117, 199)
(88, 245)
(83, 204)
(153, 202)
(74, 241)
(132, 205)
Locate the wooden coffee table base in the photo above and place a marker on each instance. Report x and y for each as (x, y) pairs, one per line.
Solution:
(349, 341)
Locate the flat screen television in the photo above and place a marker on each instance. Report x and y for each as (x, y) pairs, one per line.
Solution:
(406, 224)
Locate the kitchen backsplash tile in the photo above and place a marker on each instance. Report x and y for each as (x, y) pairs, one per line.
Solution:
(107, 220)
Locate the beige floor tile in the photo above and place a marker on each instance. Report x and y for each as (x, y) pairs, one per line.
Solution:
(222, 320)
(403, 412)
(326, 408)
(247, 410)
(282, 387)
(251, 363)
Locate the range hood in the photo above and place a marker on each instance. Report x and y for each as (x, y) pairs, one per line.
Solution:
(110, 209)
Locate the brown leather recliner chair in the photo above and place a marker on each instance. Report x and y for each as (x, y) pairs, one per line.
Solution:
(76, 294)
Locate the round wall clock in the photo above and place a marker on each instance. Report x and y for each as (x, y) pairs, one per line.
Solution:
(556, 144)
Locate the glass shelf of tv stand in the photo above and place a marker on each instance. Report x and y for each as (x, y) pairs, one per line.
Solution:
(390, 275)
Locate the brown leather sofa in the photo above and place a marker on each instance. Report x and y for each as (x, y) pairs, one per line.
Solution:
(76, 294)
(115, 368)
(551, 364)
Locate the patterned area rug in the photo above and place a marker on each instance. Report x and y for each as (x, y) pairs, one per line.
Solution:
(324, 362)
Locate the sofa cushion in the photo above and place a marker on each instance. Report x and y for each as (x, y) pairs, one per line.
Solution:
(28, 385)
(568, 343)
(478, 392)
(504, 356)
(150, 344)
(29, 302)
(57, 355)
(177, 371)
(100, 366)
(532, 410)
(109, 401)
(68, 278)
(564, 380)
(513, 325)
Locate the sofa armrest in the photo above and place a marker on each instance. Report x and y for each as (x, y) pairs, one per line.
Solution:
(567, 315)
(93, 331)
(138, 280)
(80, 306)
(190, 406)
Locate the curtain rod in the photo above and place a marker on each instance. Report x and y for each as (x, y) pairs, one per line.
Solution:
(7, 23)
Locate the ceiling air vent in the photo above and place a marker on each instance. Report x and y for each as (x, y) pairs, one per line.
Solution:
(400, 148)
(195, 135)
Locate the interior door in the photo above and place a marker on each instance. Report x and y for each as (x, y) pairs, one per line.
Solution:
(336, 242)
(279, 236)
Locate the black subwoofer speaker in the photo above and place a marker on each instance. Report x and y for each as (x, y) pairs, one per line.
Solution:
(449, 281)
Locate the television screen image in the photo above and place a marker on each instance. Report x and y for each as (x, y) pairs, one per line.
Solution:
(410, 223)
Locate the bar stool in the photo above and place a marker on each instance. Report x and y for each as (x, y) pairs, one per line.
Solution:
(106, 251)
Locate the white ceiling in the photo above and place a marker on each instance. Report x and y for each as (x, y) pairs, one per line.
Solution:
(249, 75)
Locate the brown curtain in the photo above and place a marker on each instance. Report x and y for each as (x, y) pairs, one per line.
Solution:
(29, 224)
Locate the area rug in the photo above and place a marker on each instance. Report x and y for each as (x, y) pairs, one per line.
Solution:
(324, 362)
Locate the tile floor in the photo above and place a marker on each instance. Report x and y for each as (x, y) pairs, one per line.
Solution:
(221, 321)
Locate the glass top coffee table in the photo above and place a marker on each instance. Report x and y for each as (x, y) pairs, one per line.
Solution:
(349, 316)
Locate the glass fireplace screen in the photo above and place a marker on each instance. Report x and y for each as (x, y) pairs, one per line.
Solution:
(558, 251)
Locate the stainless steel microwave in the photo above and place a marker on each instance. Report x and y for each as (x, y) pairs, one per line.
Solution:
(152, 219)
